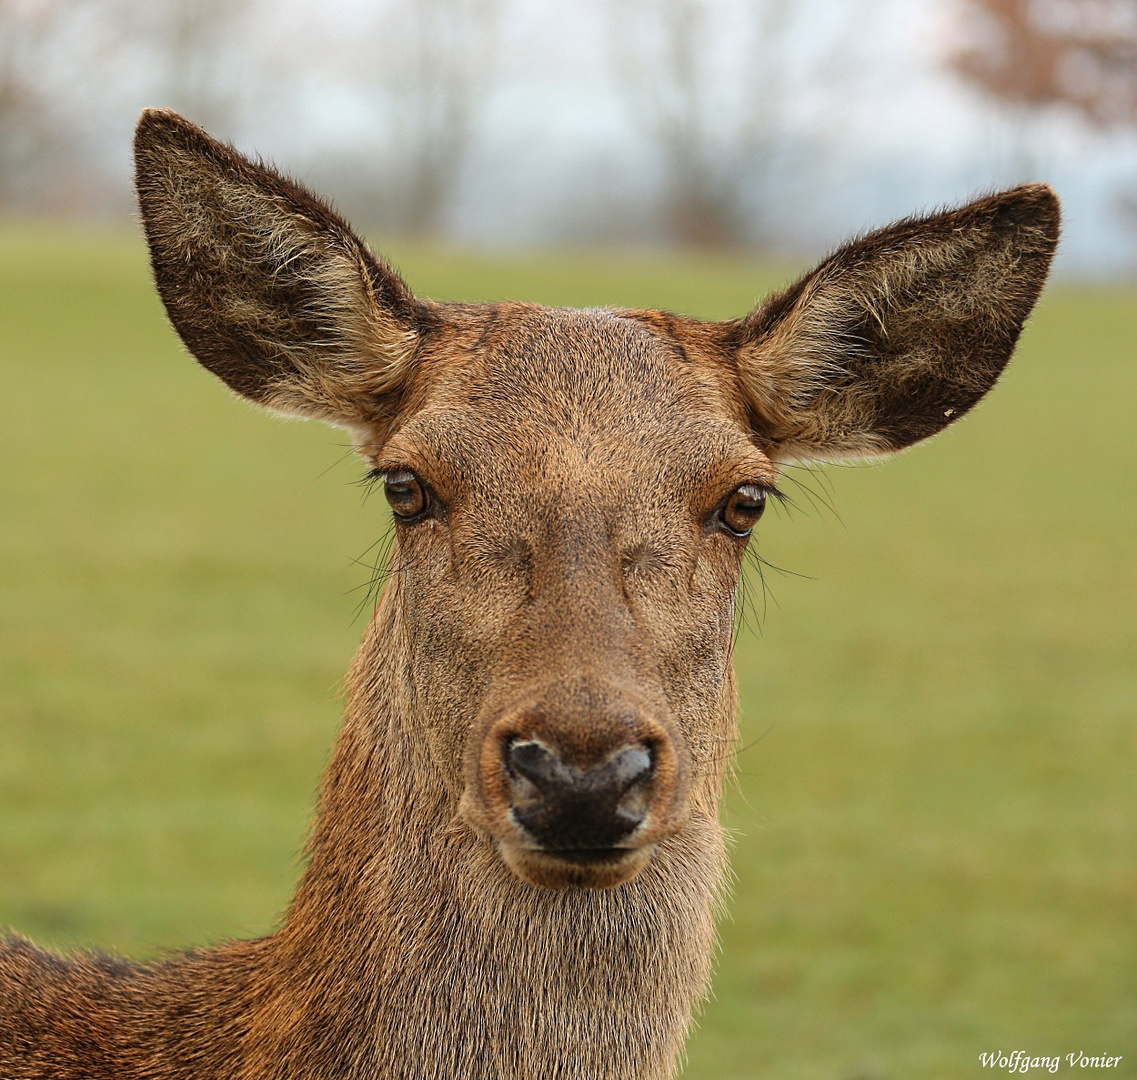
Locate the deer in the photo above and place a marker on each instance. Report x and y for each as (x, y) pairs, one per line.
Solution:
(516, 859)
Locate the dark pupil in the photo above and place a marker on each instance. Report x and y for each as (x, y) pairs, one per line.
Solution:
(404, 494)
(744, 508)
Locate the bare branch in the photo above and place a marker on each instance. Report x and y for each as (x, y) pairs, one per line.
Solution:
(708, 84)
(427, 68)
(32, 135)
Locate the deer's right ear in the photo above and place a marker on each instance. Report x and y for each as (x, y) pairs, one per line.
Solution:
(268, 288)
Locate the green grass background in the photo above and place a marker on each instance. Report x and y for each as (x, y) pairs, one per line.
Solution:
(936, 805)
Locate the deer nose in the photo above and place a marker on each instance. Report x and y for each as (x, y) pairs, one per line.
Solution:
(572, 810)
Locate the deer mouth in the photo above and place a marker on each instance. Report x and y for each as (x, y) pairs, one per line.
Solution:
(591, 856)
(587, 868)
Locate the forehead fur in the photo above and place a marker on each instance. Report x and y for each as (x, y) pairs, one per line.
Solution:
(604, 387)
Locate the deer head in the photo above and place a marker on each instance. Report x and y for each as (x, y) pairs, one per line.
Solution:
(573, 491)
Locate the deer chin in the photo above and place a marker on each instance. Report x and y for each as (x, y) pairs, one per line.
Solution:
(604, 869)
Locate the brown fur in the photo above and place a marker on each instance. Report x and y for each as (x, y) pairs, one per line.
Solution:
(572, 584)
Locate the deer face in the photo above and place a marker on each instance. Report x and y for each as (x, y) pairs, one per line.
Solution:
(573, 491)
(569, 535)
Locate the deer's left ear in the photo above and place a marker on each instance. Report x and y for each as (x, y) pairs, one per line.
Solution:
(897, 334)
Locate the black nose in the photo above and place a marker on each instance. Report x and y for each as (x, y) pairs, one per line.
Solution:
(577, 810)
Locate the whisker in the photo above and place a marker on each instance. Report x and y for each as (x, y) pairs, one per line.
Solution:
(823, 500)
(380, 569)
(348, 452)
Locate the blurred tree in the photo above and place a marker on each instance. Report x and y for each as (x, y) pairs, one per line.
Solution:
(1045, 54)
(195, 56)
(425, 69)
(708, 84)
(73, 74)
(33, 135)
(1041, 53)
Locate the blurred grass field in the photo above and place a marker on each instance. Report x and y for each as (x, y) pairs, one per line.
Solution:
(937, 797)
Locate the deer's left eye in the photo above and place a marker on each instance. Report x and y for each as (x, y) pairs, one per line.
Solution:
(405, 493)
(742, 509)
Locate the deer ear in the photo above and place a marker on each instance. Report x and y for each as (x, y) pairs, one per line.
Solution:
(899, 333)
(268, 288)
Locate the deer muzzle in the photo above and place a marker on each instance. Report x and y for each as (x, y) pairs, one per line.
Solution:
(577, 787)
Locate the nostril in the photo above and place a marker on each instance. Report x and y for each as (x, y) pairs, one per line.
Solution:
(629, 767)
(629, 773)
(537, 764)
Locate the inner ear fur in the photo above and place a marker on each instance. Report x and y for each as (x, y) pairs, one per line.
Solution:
(268, 288)
(899, 333)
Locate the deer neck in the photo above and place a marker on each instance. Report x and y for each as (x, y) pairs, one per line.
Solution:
(413, 952)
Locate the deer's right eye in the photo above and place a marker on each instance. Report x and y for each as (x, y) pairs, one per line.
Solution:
(406, 494)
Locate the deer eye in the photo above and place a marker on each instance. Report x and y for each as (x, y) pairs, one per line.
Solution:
(742, 509)
(405, 493)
